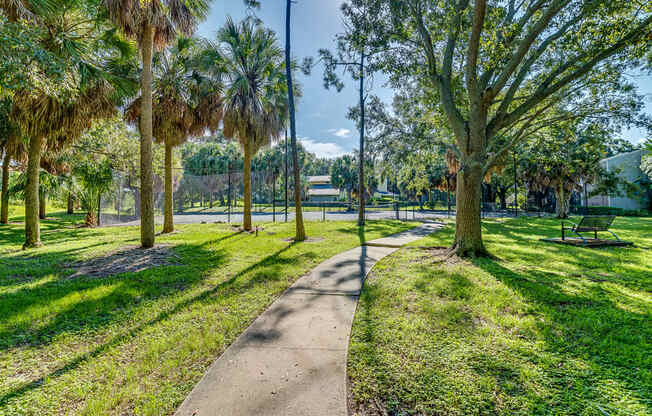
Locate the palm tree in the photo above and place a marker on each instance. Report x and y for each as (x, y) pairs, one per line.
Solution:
(4, 194)
(153, 24)
(89, 181)
(300, 234)
(6, 131)
(51, 112)
(255, 104)
(51, 125)
(182, 108)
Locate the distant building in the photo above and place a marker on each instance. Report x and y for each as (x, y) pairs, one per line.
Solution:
(629, 165)
(321, 189)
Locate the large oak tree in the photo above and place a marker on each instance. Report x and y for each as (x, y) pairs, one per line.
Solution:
(496, 67)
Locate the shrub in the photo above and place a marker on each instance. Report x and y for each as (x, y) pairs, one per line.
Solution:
(598, 210)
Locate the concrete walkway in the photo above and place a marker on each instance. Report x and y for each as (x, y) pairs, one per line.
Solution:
(292, 360)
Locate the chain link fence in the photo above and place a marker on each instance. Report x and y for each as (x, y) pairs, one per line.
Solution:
(219, 198)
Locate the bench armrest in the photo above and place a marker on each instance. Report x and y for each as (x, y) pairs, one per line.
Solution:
(574, 225)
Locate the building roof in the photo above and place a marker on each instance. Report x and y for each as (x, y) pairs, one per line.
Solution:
(319, 179)
(624, 155)
(324, 192)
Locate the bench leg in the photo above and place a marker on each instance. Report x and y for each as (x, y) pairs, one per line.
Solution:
(596, 234)
(583, 239)
(563, 235)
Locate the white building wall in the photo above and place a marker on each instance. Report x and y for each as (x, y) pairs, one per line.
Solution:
(630, 166)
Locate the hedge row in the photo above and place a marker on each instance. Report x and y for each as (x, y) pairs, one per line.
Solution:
(618, 211)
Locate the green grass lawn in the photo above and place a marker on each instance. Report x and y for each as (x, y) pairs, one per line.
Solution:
(136, 343)
(543, 330)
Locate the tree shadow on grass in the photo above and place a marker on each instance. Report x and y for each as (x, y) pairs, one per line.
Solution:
(124, 290)
(52, 232)
(120, 294)
(519, 239)
(269, 268)
(597, 335)
(582, 323)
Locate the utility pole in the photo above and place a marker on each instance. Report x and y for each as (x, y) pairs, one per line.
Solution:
(361, 189)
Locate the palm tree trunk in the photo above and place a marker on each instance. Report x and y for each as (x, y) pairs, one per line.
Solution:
(361, 190)
(300, 229)
(32, 225)
(247, 187)
(42, 203)
(146, 174)
(71, 205)
(168, 223)
(4, 196)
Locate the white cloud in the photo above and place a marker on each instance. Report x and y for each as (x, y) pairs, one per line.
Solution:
(323, 149)
(342, 133)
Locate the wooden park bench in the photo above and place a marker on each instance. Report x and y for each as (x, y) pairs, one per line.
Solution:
(588, 224)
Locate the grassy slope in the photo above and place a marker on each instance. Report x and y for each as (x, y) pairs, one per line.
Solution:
(545, 330)
(137, 343)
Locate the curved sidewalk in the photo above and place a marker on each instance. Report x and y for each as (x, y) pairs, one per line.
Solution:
(291, 361)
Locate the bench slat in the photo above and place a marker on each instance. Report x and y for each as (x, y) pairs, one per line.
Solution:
(595, 223)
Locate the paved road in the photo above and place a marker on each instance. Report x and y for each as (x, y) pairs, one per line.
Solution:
(292, 360)
(236, 218)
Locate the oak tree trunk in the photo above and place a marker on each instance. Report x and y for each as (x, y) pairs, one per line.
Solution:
(32, 224)
(4, 196)
(563, 200)
(247, 187)
(168, 222)
(468, 229)
(502, 196)
(146, 173)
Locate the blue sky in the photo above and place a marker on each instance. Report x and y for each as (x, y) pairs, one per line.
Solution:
(321, 115)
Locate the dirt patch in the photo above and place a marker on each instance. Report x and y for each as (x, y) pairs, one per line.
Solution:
(129, 259)
(162, 234)
(371, 408)
(439, 255)
(307, 240)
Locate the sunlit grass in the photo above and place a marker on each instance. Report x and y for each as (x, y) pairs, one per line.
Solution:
(544, 329)
(136, 343)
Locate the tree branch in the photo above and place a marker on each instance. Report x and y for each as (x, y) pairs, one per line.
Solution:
(524, 46)
(471, 72)
(545, 89)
